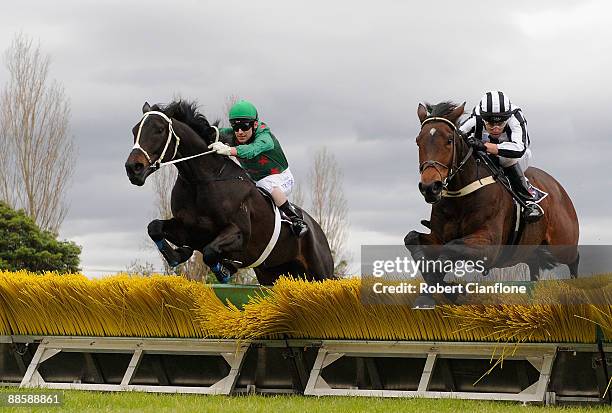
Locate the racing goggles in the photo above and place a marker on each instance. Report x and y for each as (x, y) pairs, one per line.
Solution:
(242, 125)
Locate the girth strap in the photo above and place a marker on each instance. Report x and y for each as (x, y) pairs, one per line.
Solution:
(273, 239)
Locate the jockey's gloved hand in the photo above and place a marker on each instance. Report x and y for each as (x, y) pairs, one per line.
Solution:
(477, 144)
(221, 148)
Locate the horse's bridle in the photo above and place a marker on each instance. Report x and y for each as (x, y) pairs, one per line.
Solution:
(158, 163)
(453, 169)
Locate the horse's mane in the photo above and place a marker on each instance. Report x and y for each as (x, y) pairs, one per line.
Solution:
(441, 109)
(187, 112)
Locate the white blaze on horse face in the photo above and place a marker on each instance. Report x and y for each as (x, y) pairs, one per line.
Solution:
(432, 132)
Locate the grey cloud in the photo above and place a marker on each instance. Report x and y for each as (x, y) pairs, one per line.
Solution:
(345, 75)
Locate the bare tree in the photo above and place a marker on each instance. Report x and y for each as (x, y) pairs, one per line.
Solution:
(37, 154)
(229, 102)
(329, 207)
(297, 195)
(163, 182)
(138, 267)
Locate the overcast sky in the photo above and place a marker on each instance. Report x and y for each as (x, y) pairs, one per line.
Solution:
(346, 75)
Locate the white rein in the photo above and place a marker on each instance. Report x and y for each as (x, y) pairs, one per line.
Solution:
(158, 163)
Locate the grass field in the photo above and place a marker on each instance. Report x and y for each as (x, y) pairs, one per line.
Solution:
(80, 401)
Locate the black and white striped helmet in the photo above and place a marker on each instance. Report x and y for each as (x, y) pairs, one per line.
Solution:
(495, 106)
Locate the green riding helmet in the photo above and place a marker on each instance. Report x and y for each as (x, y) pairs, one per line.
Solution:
(243, 110)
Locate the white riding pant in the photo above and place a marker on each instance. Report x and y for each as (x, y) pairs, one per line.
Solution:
(523, 161)
(284, 181)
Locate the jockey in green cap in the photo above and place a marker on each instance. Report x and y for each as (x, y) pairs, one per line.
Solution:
(260, 154)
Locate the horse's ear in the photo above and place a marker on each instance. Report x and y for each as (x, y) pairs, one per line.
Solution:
(422, 112)
(146, 107)
(458, 111)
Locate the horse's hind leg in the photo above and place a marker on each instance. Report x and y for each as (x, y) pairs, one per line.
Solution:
(573, 267)
(214, 254)
(534, 271)
(162, 231)
(268, 276)
(315, 262)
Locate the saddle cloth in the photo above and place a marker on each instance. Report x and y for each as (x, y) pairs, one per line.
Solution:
(537, 193)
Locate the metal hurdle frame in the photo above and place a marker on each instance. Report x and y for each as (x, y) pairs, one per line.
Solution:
(233, 352)
(306, 375)
(540, 355)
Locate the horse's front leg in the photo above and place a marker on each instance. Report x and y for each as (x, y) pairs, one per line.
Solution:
(417, 243)
(424, 247)
(230, 239)
(173, 230)
(482, 245)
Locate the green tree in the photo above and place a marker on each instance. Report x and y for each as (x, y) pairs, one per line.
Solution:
(24, 246)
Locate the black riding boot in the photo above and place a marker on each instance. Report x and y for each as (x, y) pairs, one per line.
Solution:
(532, 212)
(297, 223)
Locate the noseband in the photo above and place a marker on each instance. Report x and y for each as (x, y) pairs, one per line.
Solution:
(453, 169)
(158, 163)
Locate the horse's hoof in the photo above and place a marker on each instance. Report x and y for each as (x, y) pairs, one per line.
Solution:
(222, 273)
(424, 302)
(224, 279)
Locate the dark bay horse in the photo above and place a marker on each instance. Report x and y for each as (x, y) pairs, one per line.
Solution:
(483, 218)
(215, 205)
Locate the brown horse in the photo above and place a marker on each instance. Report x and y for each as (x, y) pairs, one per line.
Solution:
(215, 205)
(483, 218)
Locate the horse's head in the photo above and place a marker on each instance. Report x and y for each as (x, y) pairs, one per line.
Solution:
(153, 143)
(437, 142)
